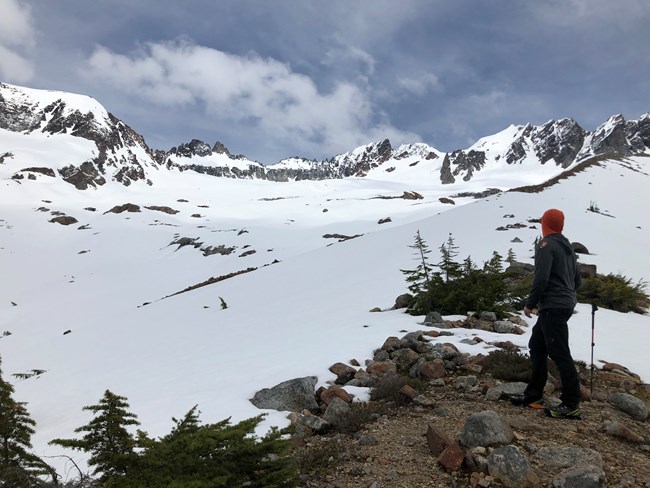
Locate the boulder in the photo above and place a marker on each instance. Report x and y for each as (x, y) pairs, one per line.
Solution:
(489, 316)
(343, 372)
(336, 411)
(434, 318)
(587, 476)
(293, 395)
(403, 301)
(579, 248)
(629, 404)
(485, 429)
(433, 369)
(508, 465)
(504, 327)
(566, 457)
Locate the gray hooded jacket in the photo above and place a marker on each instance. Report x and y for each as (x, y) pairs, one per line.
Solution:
(556, 274)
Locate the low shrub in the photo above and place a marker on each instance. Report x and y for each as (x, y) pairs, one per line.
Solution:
(319, 458)
(387, 389)
(358, 416)
(508, 365)
(615, 292)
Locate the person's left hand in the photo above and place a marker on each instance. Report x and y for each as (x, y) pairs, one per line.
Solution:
(528, 312)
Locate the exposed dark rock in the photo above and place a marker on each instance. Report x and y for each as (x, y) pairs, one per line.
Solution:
(167, 210)
(579, 248)
(127, 207)
(192, 148)
(83, 176)
(446, 176)
(467, 163)
(64, 220)
(293, 395)
(43, 171)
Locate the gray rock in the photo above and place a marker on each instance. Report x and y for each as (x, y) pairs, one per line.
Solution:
(489, 316)
(314, 422)
(588, 476)
(465, 382)
(403, 301)
(485, 429)
(434, 318)
(493, 395)
(441, 351)
(336, 410)
(504, 326)
(629, 404)
(293, 395)
(508, 465)
(514, 388)
(566, 457)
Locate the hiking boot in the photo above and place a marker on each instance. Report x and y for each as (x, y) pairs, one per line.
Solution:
(527, 401)
(563, 411)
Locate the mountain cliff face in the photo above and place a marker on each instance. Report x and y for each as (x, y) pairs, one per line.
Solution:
(122, 155)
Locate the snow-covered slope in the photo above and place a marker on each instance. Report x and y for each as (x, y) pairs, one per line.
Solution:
(292, 318)
(303, 303)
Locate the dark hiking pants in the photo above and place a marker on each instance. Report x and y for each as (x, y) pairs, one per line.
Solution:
(550, 338)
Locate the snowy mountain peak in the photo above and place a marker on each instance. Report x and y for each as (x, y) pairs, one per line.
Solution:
(109, 150)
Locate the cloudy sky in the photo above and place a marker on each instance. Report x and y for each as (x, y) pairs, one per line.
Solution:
(279, 78)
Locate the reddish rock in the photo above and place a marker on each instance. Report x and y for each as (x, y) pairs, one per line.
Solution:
(452, 458)
(380, 368)
(391, 344)
(407, 392)
(326, 395)
(585, 394)
(343, 372)
(474, 368)
(437, 440)
(433, 370)
(622, 431)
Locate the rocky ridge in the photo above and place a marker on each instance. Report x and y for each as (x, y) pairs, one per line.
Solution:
(458, 428)
(122, 154)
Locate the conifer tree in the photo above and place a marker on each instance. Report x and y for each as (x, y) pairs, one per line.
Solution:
(213, 456)
(495, 264)
(18, 466)
(468, 266)
(106, 437)
(419, 279)
(511, 258)
(449, 250)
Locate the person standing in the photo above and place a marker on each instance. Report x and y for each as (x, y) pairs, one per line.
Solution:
(553, 295)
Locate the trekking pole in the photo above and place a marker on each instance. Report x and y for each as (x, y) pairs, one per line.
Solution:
(594, 307)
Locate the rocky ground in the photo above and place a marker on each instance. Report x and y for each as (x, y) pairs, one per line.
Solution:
(394, 450)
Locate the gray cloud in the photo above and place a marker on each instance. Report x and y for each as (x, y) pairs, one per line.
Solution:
(279, 78)
(263, 93)
(17, 38)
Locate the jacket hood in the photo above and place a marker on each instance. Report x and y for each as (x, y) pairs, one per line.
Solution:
(562, 241)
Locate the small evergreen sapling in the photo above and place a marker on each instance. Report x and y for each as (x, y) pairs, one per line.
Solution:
(18, 466)
(419, 279)
(106, 438)
(450, 268)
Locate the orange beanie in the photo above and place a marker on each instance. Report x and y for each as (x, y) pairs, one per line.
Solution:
(552, 222)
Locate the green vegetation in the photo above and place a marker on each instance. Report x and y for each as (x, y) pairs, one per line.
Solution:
(18, 466)
(457, 287)
(615, 292)
(191, 455)
(387, 389)
(508, 365)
